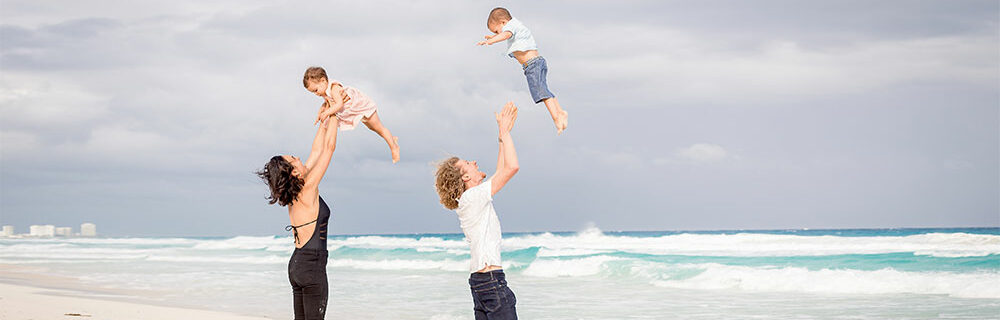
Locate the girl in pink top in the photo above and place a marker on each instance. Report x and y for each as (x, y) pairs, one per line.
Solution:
(349, 105)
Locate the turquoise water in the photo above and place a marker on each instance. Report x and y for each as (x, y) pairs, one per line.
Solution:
(592, 274)
(901, 260)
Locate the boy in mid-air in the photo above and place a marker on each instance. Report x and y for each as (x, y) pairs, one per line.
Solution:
(521, 46)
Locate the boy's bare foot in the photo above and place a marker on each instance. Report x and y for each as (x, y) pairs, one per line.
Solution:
(562, 121)
(395, 149)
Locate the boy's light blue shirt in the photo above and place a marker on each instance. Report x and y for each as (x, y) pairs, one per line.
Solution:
(520, 39)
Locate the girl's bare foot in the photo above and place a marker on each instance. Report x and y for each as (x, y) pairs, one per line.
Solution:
(395, 149)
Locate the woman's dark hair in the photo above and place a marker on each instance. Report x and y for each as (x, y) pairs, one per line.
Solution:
(285, 187)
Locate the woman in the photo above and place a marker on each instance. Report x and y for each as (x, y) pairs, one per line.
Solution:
(296, 185)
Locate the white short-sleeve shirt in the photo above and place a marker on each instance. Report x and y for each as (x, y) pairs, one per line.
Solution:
(520, 39)
(481, 225)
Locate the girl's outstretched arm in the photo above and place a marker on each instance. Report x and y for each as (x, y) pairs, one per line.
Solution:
(508, 155)
(336, 102)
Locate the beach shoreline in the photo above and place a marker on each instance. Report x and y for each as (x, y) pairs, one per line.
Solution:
(853, 274)
(28, 295)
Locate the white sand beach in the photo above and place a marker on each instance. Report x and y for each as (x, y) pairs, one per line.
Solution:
(61, 298)
(23, 302)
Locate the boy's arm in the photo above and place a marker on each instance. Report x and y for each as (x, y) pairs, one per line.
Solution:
(496, 38)
(508, 155)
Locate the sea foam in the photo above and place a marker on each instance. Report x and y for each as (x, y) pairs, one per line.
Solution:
(757, 244)
(838, 281)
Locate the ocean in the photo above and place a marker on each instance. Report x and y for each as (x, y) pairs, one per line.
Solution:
(592, 274)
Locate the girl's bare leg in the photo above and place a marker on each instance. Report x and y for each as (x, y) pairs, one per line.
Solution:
(375, 124)
(559, 116)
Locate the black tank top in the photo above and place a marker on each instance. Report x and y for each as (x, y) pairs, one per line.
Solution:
(318, 239)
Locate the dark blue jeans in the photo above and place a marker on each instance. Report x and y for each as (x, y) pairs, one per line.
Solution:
(307, 274)
(492, 298)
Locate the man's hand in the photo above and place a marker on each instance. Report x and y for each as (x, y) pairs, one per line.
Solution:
(506, 118)
(507, 165)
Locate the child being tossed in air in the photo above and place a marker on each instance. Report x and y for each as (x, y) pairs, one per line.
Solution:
(349, 105)
(521, 46)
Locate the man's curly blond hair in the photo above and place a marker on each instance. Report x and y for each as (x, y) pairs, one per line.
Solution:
(449, 183)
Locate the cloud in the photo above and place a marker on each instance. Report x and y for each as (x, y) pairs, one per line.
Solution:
(688, 68)
(703, 153)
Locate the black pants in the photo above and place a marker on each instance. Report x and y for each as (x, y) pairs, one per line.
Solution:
(491, 297)
(307, 274)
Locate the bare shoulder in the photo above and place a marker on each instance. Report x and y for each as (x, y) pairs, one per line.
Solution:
(301, 209)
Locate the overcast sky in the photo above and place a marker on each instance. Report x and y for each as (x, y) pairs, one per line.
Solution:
(149, 117)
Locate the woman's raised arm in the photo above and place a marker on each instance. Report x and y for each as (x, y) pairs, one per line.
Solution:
(328, 143)
(317, 146)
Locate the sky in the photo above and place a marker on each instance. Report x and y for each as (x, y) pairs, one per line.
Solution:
(148, 118)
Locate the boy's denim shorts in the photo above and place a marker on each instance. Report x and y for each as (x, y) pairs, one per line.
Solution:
(536, 70)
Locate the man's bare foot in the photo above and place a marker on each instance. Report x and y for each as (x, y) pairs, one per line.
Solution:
(562, 121)
(395, 149)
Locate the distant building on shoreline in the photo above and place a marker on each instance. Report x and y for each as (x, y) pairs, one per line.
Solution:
(88, 230)
(48, 230)
(42, 230)
(64, 231)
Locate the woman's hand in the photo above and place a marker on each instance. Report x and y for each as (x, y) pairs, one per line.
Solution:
(324, 110)
(319, 114)
(326, 114)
